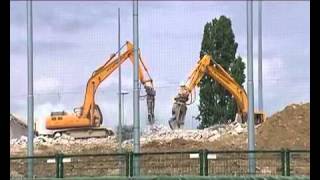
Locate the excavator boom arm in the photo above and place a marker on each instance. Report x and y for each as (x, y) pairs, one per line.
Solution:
(222, 77)
(104, 71)
(197, 74)
(97, 77)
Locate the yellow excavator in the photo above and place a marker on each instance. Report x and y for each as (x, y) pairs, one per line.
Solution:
(206, 65)
(85, 121)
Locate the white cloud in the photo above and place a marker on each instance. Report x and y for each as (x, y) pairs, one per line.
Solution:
(46, 84)
(113, 81)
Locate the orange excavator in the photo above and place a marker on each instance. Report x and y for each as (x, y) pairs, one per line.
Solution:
(206, 65)
(86, 121)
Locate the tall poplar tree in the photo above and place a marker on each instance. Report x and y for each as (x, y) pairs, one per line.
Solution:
(216, 103)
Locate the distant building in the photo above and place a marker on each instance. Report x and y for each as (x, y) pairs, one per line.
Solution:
(18, 127)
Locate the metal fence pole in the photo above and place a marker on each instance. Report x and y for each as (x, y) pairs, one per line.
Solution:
(136, 93)
(283, 162)
(206, 162)
(131, 164)
(203, 162)
(59, 165)
(127, 164)
(119, 88)
(201, 159)
(260, 95)
(251, 130)
(287, 155)
(30, 87)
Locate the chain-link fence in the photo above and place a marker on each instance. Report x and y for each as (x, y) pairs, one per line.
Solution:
(72, 39)
(202, 163)
(299, 162)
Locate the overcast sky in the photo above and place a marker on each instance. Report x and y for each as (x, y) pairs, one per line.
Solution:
(72, 39)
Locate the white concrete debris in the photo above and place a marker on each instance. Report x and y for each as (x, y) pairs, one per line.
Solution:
(156, 132)
(62, 139)
(164, 134)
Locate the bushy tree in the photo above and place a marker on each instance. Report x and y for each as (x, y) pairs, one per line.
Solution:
(216, 103)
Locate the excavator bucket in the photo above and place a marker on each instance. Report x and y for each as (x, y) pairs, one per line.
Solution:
(259, 117)
(179, 111)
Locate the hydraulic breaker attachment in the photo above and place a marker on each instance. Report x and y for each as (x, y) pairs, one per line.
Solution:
(179, 111)
(150, 103)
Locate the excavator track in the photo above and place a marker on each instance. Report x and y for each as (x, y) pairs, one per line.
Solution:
(85, 133)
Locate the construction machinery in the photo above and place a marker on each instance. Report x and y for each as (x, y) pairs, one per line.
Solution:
(86, 120)
(206, 65)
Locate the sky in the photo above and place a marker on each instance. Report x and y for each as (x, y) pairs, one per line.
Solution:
(73, 38)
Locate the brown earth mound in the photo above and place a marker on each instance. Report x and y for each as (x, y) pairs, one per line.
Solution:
(289, 128)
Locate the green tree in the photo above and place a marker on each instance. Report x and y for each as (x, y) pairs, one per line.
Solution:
(216, 103)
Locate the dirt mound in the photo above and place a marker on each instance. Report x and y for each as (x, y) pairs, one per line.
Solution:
(289, 128)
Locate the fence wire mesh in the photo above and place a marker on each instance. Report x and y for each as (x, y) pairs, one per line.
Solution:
(267, 163)
(169, 164)
(202, 163)
(300, 163)
(42, 166)
(104, 165)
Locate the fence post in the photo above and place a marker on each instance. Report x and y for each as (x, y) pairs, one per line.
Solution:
(127, 164)
(205, 157)
(59, 165)
(283, 162)
(201, 162)
(131, 164)
(287, 162)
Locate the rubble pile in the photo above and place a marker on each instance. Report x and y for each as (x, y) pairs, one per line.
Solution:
(62, 143)
(164, 134)
(155, 133)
